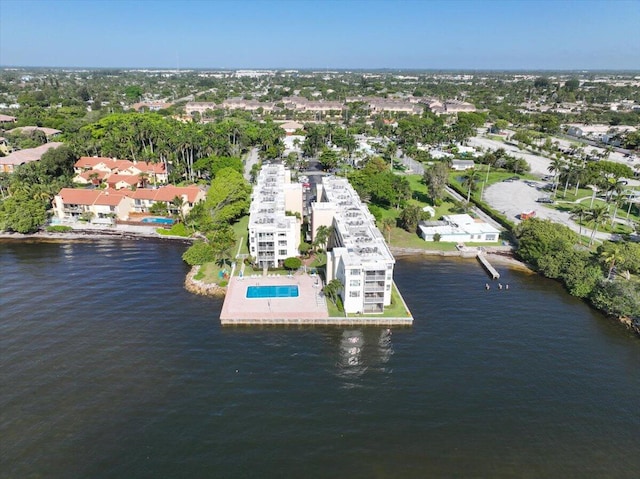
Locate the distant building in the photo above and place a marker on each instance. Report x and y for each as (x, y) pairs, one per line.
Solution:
(12, 160)
(26, 130)
(462, 165)
(6, 119)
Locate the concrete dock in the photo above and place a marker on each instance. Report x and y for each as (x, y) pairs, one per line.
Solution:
(490, 269)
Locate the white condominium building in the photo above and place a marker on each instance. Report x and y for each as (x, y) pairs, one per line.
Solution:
(360, 258)
(274, 235)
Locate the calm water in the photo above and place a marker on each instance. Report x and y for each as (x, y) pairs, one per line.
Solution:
(109, 368)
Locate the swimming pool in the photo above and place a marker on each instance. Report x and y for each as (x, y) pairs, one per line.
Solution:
(286, 291)
(160, 221)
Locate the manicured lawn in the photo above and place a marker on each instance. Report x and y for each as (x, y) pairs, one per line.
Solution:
(209, 273)
(395, 310)
(241, 230)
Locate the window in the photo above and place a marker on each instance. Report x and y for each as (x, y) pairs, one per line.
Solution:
(355, 272)
(354, 294)
(354, 283)
(282, 252)
(491, 237)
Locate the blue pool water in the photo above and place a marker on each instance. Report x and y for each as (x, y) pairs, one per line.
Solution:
(287, 291)
(161, 221)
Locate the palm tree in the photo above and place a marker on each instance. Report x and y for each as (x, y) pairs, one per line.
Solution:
(555, 167)
(323, 233)
(469, 181)
(609, 258)
(598, 215)
(332, 290)
(578, 212)
(387, 226)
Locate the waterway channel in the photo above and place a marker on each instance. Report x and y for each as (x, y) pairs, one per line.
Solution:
(109, 368)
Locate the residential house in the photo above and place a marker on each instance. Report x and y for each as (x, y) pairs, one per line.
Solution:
(462, 165)
(144, 198)
(101, 206)
(6, 119)
(49, 133)
(12, 160)
(459, 229)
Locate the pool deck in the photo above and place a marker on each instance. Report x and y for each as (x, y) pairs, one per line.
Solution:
(309, 308)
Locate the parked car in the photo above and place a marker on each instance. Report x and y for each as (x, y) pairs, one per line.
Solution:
(545, 199)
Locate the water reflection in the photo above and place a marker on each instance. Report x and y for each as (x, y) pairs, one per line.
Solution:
(360, 350)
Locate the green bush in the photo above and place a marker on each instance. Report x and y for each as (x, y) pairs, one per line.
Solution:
(59, 229)
(292, 263)
(223, 283)
(178, 229)
(199, 253)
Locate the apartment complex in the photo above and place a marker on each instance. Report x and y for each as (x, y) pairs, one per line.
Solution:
(274, 231)
(360, 258)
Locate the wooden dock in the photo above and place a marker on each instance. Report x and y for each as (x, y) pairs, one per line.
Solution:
(490, 269)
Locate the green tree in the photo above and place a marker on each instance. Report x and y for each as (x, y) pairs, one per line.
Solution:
(329, 159)
(410, 217)
(470, 181)
(228, 197)
(387, 226)
(199, 252)
(22, 214)
(292, 263)
(332, 290)
(597, 216)
(436, 179)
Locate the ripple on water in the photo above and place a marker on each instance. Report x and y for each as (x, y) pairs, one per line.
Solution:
(109, 368)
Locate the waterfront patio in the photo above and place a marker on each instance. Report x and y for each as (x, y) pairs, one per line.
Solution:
(309, 305)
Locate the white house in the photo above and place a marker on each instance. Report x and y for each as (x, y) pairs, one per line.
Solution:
(459, 229)
(462, 165)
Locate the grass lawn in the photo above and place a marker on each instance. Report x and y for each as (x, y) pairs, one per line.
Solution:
(209, 273)
(395, 310)
(241, 230)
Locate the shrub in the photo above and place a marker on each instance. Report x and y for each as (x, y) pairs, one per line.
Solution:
(59, 229)
(199, 253)
(292, 263)
(436, 237)
(178, 229)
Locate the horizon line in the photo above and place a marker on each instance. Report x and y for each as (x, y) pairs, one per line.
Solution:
(328, 69)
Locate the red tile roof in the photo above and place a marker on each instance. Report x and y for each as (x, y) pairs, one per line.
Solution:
(111, 163)
(108, 197)
(166, 193)
(129, 179)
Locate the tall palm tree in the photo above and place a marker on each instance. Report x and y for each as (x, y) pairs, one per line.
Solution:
(556, 166)
(323, 233)
(609, 258)
(578, 212)
(598, 215)
(387, 226)
(469, 181)
(332, 290)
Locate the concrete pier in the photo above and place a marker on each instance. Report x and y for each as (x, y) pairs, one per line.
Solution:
(490, 269)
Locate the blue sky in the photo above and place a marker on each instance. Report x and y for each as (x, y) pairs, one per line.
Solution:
(422, 34)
